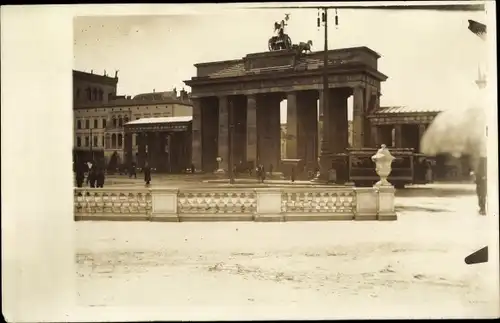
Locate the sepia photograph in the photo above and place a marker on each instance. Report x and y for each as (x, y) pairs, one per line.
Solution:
(284, 161)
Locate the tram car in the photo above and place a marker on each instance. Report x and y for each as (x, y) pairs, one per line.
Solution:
(408, 167)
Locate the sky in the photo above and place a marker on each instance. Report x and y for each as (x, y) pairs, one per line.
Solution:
(430, 57)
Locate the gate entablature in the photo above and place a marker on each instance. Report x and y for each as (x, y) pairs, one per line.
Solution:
(285, 70)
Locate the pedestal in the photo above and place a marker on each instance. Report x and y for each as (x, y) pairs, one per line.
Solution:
(269, 205)
(386, 211)
(164, 205)
(366, 203)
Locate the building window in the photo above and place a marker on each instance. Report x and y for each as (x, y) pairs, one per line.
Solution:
(78, 124)
(86, 141)
(94, 94)
(100, 95)
(114, 122)
(89, 94)
(120, 141)
(110, 96)
(120, 122)
(104, 123)
(96, 125)
(102, 141)
(87, 124)
(78, 141)
(96, 144)
(113, 141)
(126, 119)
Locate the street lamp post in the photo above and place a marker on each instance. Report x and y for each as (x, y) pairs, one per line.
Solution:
(325, 154)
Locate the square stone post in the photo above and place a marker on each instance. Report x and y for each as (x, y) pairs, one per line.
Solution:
(223, 142)
(196, 130)
(374, 135)
(358, 118)
(398, 136)
(292, 126)
(421, 132)
(252, 128)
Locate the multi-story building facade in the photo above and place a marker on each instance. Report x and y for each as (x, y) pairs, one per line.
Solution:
(99, 119)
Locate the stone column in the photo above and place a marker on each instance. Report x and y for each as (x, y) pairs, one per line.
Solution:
(325, 136)
(252, 128)
(223, 141)
(292, 125)
(374, 135)
(141, 149)
(358, 118)
(128, 148)
(342, 120)
(196, 129)
(274, 131)
(398, 136)
(307, 127)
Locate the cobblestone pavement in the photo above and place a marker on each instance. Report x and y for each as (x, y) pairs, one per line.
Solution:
(413, 267)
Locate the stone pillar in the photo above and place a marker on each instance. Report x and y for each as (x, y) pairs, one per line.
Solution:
(325, 136)
(358, 118)
(273, 106)
(141, 149)
(128, 148)
(252, 128)
(342, 120)
(223, 140)
(374, 135)
(421, 132)
(307, 127)
(398, 136)
(196, 129)
(292, 125)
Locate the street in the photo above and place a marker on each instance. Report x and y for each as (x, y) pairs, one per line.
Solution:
(413, 267)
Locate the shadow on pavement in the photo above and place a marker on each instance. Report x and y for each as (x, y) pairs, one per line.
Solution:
(435, 192)
(413, 208)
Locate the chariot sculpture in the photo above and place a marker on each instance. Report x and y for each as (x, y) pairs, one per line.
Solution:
(281, 40)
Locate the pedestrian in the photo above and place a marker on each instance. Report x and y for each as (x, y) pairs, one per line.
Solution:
(147, 174)
(100, 176)
(292, 176)
(271, 170)
(91, 177)
(262, 173)
(192, 169)
(332, 175)
(481, 185)
(133, 171)
(257, 172)
(80, 174)
(428, 171)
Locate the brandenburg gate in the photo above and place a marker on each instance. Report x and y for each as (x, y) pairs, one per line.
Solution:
(253, 88)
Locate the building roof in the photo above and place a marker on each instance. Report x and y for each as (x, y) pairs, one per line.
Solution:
(132, 102)
(91, 77)
(405, 109)
(156, 96)
(157, 120)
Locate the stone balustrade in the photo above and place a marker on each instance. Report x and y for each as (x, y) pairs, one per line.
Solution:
(294, 203)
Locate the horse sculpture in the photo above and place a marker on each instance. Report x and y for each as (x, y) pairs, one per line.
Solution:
(303, 47)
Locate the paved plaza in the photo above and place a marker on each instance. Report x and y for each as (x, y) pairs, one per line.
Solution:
(410, 267)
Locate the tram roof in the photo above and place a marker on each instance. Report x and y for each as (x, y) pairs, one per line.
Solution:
(405, 109)
(158, 120)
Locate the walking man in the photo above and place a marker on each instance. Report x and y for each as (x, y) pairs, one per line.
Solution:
(481, 185)
(147, 174)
